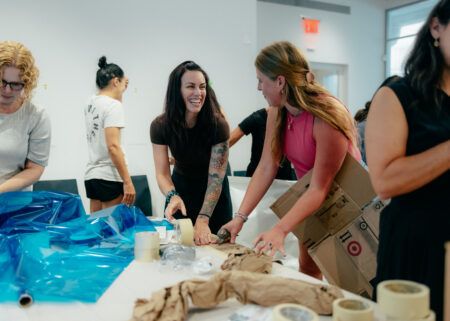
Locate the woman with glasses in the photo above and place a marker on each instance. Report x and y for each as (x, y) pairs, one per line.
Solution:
(196, 132)
(107, 179)
(24, 127)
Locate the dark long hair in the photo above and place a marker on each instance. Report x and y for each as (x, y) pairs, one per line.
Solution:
(361, 114)
(175, 108)
(425, 64)
(107, 72)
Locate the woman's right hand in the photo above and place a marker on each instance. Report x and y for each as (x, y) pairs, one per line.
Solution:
(234, 227)
(129, 193)
(175, 204)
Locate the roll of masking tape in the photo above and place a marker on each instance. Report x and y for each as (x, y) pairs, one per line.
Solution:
(430, 317)
(293, 312)
(185, 231)
(345, 309)
(404, 300)
(146, 246)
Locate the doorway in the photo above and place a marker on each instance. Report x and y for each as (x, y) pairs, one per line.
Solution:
(333, 77)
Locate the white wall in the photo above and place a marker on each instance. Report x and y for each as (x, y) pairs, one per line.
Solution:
(355, 40)
(147, 39)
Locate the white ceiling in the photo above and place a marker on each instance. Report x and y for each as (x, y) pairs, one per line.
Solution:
(384, 3)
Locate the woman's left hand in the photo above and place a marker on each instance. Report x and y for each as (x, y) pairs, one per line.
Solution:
(271, 241)
(202, 232)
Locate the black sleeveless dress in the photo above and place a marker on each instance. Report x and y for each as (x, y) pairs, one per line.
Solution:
(415, 226)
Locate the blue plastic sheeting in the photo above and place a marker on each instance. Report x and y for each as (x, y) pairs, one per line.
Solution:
(52, 250)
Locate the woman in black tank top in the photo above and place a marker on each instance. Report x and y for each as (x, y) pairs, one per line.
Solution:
(408, 152)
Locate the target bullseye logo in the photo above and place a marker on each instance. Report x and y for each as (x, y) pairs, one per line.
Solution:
(354, 248)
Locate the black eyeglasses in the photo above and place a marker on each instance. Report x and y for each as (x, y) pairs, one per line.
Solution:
(13, 85)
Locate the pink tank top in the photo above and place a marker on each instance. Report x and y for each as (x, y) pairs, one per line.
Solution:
(299, 143)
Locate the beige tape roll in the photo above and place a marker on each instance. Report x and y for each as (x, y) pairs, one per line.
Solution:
(146, 239)
(185, 231)
(430, 317)
(403, 300)
(146, 246)
(293, 312)
(345, 309)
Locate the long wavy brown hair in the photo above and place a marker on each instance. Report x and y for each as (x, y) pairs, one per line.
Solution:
(15, 54)
(284, 59)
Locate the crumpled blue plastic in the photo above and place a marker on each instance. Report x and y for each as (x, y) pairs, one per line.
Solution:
(51, 250)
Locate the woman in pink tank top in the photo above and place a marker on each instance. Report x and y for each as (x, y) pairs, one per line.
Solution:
(309, 127)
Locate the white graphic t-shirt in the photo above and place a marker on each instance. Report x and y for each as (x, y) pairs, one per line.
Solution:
(101, 112)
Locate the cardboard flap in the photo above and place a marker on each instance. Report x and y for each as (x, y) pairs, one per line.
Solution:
(355, 181)
(338, 268)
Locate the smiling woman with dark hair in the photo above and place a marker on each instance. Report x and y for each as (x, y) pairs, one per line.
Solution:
(194, 129)
(410, 120)
(24, 127)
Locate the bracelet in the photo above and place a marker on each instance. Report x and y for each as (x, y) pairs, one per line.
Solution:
(169, 196)
(205, 215)
(242, 216)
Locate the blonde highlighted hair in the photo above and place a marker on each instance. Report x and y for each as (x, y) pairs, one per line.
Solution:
(15, 54)
(284, 59)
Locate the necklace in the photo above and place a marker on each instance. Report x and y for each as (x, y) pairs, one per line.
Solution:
(289, 120)
(292, 113)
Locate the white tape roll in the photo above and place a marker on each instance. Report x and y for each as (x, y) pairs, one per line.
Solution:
(293, 312)
(403, 300)
(345, 309)
(146, 246)
(185, 231)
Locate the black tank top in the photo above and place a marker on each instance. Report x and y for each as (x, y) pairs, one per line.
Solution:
(426, 129)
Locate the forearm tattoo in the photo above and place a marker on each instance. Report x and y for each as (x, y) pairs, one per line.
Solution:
(217, 169)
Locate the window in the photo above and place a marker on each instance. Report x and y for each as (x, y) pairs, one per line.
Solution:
(402, 25)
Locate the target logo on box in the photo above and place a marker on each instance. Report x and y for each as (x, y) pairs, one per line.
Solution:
(354, 248)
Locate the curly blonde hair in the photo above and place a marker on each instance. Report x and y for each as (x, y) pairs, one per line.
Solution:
(15, 54)
(284, 59)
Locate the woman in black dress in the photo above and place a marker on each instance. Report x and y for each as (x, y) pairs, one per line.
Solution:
(194, 129)
(408, 153)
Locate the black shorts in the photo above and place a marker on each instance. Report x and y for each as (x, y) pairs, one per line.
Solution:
(102, 190)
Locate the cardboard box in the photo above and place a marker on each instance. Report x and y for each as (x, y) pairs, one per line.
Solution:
(338, 268)
(312, 230)
(371, 214)
(348, 258)
(342, 235)
(350, 192)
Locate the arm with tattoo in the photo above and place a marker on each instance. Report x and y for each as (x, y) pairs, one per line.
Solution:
(216, 173)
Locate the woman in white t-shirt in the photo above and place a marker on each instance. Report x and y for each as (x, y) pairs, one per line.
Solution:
(24, 127)
(107, 180)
